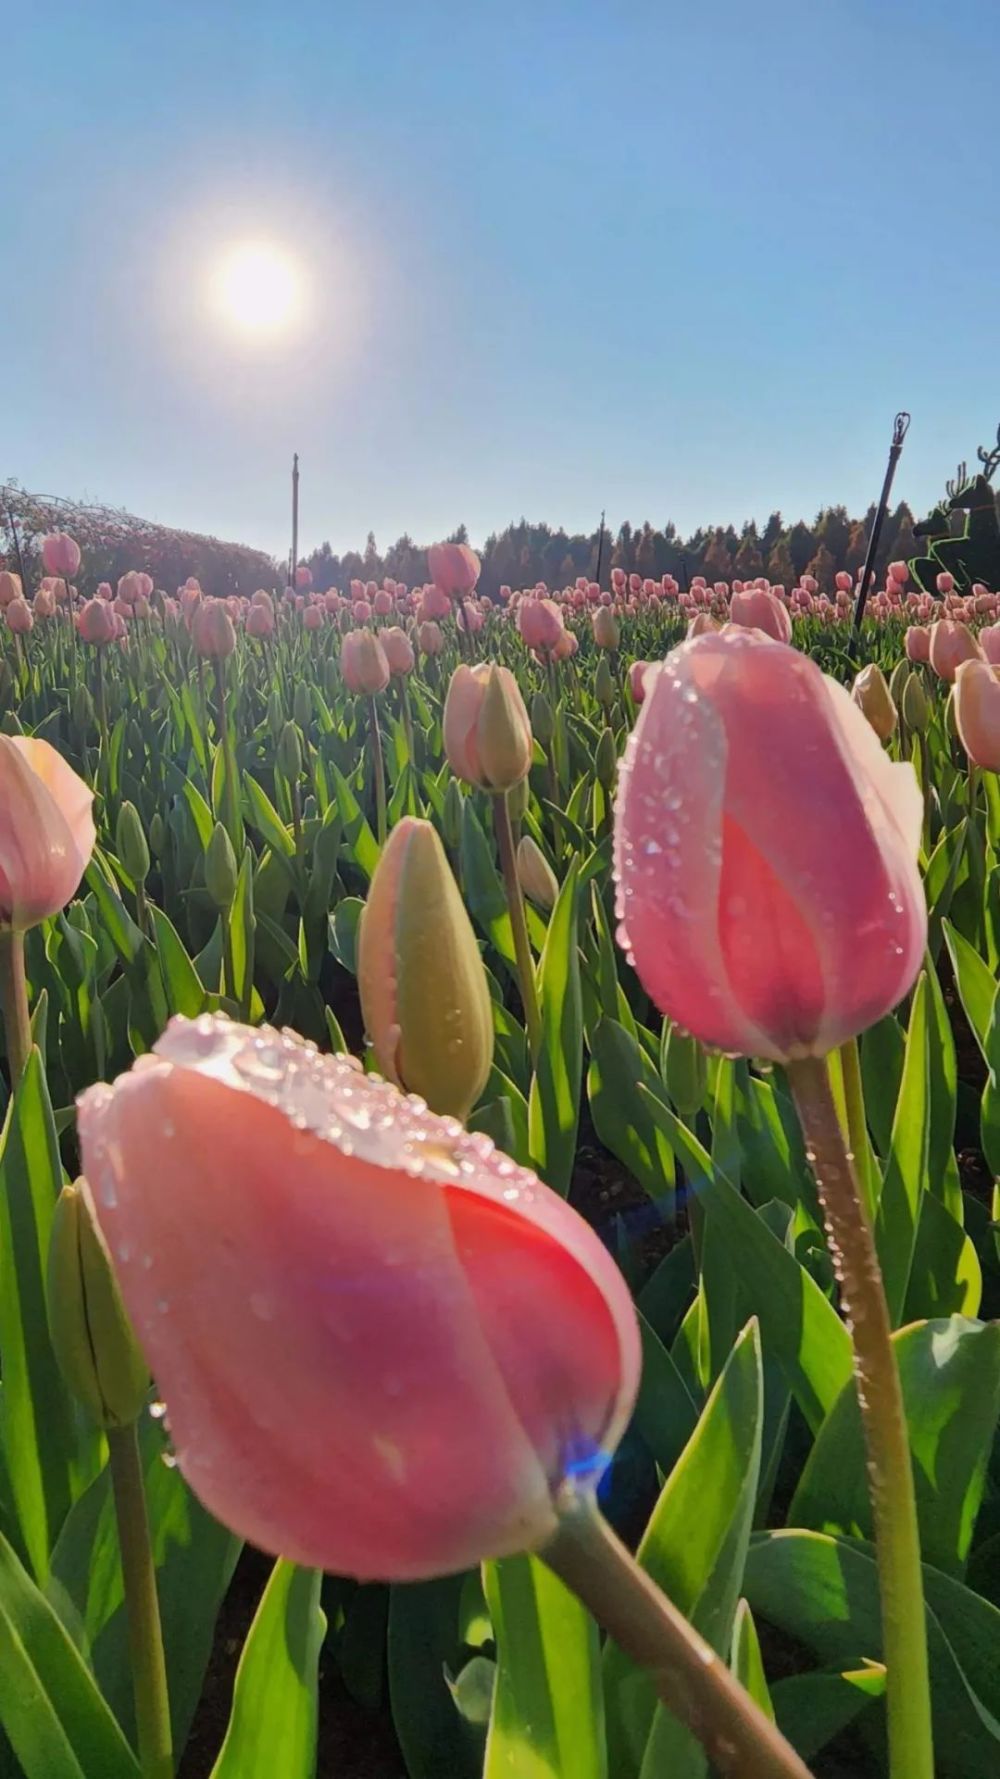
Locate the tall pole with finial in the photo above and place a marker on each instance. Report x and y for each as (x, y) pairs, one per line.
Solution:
(295, 519)
(900, 427)
(600, 550)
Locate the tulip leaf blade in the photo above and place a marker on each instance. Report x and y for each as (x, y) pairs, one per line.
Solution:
(554, 1100)
(182, 985)
(975, 981)
(273, 1723)
(51, 1709)
(547, 1720)
(424, 1645)
(621, 1117)
(906, 1169)
(360, 839)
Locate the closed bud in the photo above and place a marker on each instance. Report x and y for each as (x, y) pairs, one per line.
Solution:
(157, 834)
(132, 847)
(326, 850)
(541, 719)
(487, 735)
(275, 714)
(606, 760)
(871, 695)
(604, 685)
(685, 1070)
(331, 680)
(916, 705)
(302, 706)
(290, 753)
(94, 1346)
(897, 681)
(535, 874)
(424, 993)
(82, 709)
(212, 630)
(605, 624)
(220, 869)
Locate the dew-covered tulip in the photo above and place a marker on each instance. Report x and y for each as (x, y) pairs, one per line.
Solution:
(363, 663)
(951, 643)
(535, 874)
(761, 610)
(977, 713)
(487, 735)
(382, 1345)
(873, 698)
(212, 630)
(398, 650)
(766, 852)
(454, 568)
(96, 622)
(94, 1346)
(918, 643)
(46, 831)
(424, 995)
(60, 554)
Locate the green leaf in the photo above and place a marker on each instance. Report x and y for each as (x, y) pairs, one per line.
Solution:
(824, 1592)
(906, 1169)
(621, 1116)
(344, 923)
(50, 1707)
(975, 982)
(547, 1720)
(265, 818)
(950, 1376)
(272, 1728)
(424, 1643)
(882, 1050)
(181, 983)
(746, 1660)
(665, 1412)
(40, 1428)
(241, 934)
(360, 838)
(946, 1278)
(799, 1325)
(694, 1549)
(554, 1100)
(482, 884)
(813, 1708)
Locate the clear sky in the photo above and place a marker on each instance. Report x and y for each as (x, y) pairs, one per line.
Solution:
(679, 258)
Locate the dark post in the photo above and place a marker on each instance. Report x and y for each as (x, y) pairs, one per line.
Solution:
(295, 518)
(600, 551)
(900, 427)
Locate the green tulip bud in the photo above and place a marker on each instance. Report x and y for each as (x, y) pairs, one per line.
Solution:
(331, 680)
(685, 1070)
(916, 705)
(157, 835)
(454, 806)
(94, 1346)
(131, 844)
(275, 714)
(541, 719)
(897, 681)
(424, 994)
(604, 685)
(290, 753)
(221, 874)
(302, 706)
(517, 800)
(82, 710)
(606, 760)
(535, 874)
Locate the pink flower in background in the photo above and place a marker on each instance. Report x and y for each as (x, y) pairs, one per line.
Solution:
(540, 623)
(945, 582)
(60, 554)
(430, 637)
(260, 621)
(398, 650)
(10, 587)
(382, 603)
(637, 676)
(363, 663)
(454, 568)
(918, 643)
(341, 1344)
(433, 603)
(766, 852)
(96, 622)
(977, 712)
(761, 610)
(951, 643)
(989, 642)
(19, 617)
(313, 618)
(303, 577)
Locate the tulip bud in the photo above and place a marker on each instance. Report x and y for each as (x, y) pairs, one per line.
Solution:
(606, 760)
(275, 713)
(487, 735)
(302, 706)
(157, 834)
(212, 630)
(606, 632)
(871, 695)
(290, 753)
(82, 709)
(897, 680)
(541, 719)
(604, 685)
(424, 994)
(221, 874)
(916, 705)
(685, 1070)
(976, 709)
(94, 1346)
(535, 874)
(133, 850)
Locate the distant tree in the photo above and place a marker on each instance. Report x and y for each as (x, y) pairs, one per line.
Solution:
(769, 536)
(748, 560)
(823, 567)
(801, 546)
(780, 568)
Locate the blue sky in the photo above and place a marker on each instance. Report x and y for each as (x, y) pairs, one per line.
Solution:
(678, 261)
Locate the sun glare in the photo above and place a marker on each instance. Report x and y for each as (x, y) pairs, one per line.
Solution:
(258, 289)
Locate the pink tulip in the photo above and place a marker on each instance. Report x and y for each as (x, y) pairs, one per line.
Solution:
(361, 611)
(46, 831)
(618, 579)
(977, 713)
(842, 581)
(363, 663)
(430, 637)
(701, 624)
(96, 622)
(487, 734)
(433, 604)
(129, 587)
(60, 554)
(944, 582)
(313, 618)
(20, 620)
(454, 568)
(382, 603)
(540, 623)
(122, 609)
(10, 587)
(762, 611)
(637, 679)
(918, 643)
(212, 630)
(341, 1343)
(989, 643)
(398, 650)
(564, 649)
(951, 643)
(900, 572)
(44, 603)
(605, 625)
(303, 577)
(260, 621)
(766, 852)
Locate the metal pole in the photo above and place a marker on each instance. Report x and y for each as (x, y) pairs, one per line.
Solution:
(295, 519)
(600, 551)
(900, 427)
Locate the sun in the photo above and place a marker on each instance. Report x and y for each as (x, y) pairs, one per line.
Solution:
(258, 289)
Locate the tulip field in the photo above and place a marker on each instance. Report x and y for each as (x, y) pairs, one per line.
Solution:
(499, 1250)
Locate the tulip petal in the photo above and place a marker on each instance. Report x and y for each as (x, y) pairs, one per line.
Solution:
(41, 857)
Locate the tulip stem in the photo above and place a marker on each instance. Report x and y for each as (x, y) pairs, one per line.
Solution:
(142, 1610)
(379, 771)
(14, 1002)
(518, 921)
(690, 1679)
(883, 1418)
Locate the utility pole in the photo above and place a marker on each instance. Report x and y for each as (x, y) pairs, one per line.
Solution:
(900, 427)
(295, 519)
(600, 550)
